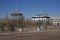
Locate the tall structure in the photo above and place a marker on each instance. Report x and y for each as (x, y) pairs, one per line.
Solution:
(17, 16)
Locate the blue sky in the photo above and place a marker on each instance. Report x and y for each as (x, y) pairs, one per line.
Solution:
(30, 7)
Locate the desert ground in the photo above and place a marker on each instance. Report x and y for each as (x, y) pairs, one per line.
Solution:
(41, 35)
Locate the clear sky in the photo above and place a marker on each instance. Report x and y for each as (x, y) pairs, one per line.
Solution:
(30, 7)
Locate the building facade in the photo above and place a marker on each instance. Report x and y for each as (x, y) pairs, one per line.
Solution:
(41, 17)
(55, 21)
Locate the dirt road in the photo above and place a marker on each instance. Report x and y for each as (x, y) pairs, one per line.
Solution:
(30, 36)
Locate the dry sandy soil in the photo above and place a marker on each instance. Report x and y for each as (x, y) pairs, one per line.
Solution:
(45, 35)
